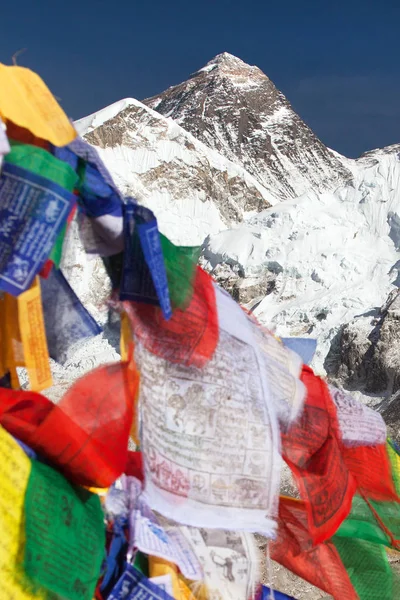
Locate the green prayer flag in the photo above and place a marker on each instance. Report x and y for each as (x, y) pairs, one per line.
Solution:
(368, 568)
(141, 563)
(65, 534)
(180, 264)
(395, 463)
(378, 523)
(361, 524)
(56, 252)
(39, 161)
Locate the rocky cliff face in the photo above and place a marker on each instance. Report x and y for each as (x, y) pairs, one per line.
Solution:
(237, 110)
(365, 356)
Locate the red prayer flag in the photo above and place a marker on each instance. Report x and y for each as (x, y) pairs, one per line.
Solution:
(22, 412)
(312, 450)
(372, 471)
(134, 466)
(86, 435)
(190, 336)
(15, 132)
(319, 565)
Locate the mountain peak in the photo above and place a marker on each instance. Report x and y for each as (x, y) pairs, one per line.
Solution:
(224, 59)
(231, 66)
(235, 109)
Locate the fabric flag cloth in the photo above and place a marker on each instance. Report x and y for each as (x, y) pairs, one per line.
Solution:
(67, 320)
(319, 564)
(283, 368)
(90, 155)
(116, 558)
(87, 432)
(11, 351)
(26, 100)
(33, 337)
(141, 563)
(327, 471)
(146, 533)
(100, 223)
(311, 449)
(180, 263)
(28, 451)
(4, 144)
(100, 220)
(39, 161)
(190, 336)
(134, 466)
(23, 339)
(370, 466)
(359, 425)
(5, 380)
(98, 197)
(23, 135)
(368, 568)
(125, 337)
(133, 585)
(55, 255)
(65, 534)
(116, 502)
(160, 569)
(377, 522)
(85, 435)
(393, 452)
(15, 468)
(230, 562)
(33, 211)
(144, 277)
(102, 235)
(355, 555)
(166, 584)
(266, 594)
(42, 163)
(210, 436)
(304, 347)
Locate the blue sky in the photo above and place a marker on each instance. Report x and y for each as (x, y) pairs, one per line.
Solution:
(338, 65)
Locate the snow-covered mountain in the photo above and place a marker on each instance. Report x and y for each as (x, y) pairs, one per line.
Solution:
(193, 189)
(321, 258)
(237, 110)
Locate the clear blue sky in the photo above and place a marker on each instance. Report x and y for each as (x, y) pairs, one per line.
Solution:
(338, 65)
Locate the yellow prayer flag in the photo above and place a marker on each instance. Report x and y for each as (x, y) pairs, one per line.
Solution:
(26, 101)
(126, 337)
(159, 566)
(15, 468)
(11, 351)
(3, 368)
(33, 335)
(193, 590)
(99, 491)
(186, 593)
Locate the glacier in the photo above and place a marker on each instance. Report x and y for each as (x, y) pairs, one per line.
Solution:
(334, 254)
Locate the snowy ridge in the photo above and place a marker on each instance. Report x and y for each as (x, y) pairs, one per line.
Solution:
(193, 189)
(96, 119)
